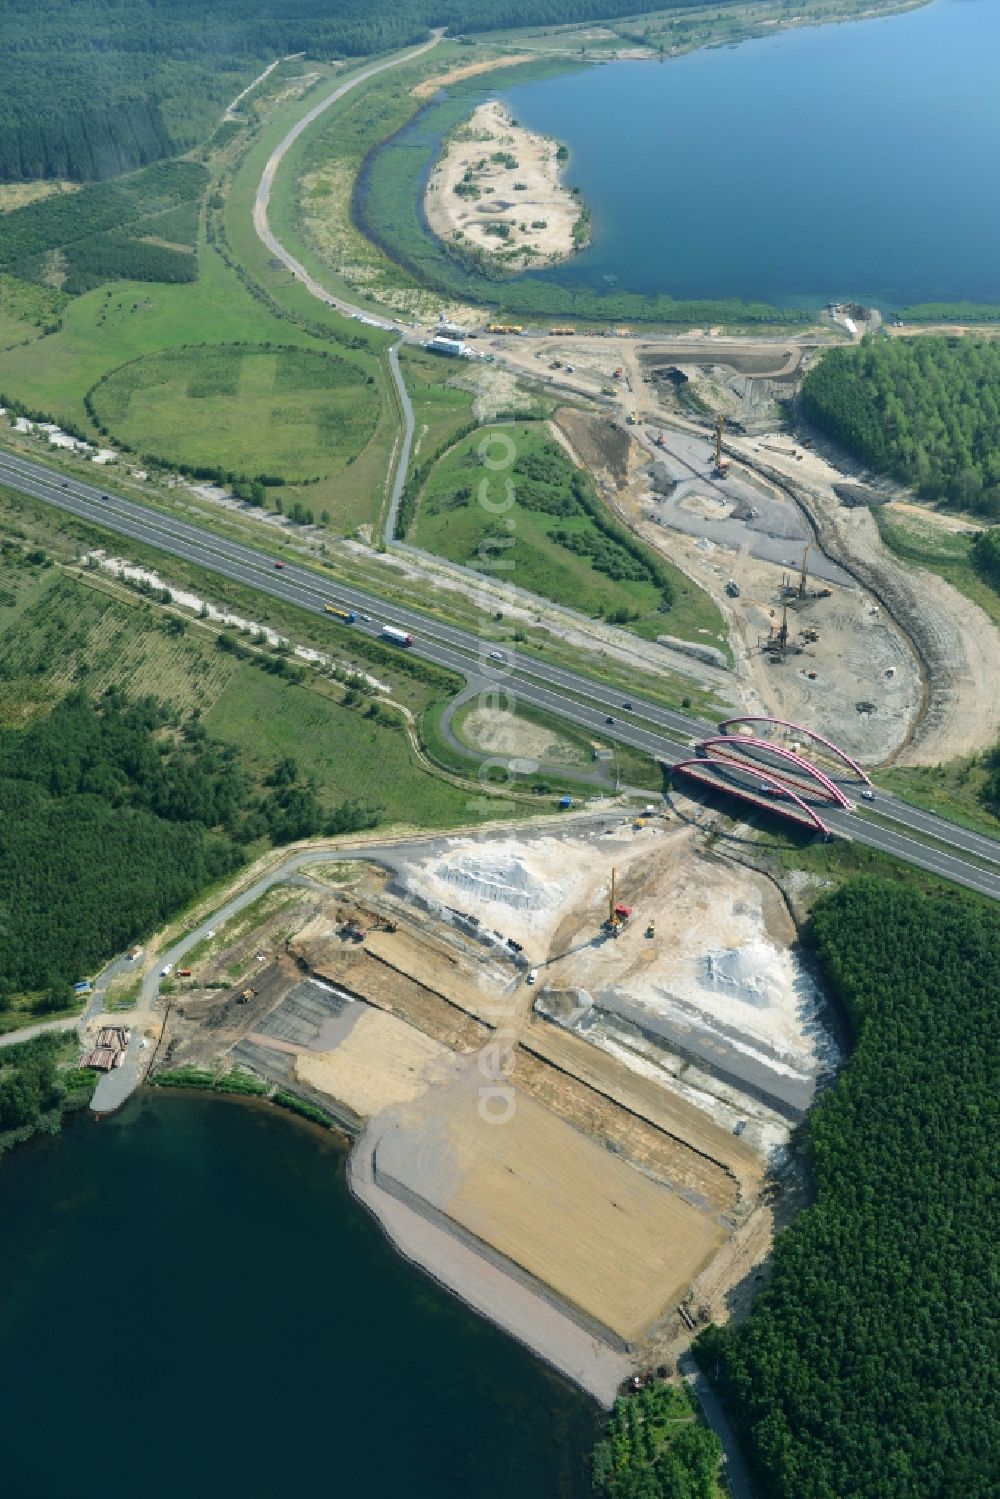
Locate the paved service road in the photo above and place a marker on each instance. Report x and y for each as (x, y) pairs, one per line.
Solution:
(732, 1459)
(260, 223)
(968, 858)
(29, 1032)
(405, 445)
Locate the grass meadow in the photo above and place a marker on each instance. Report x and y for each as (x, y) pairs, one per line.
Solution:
(550, 543)
(292, 413)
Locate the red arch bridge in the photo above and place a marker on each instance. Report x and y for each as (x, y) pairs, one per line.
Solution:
(781, 777)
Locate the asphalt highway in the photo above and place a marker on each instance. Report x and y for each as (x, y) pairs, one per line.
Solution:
(661, 732)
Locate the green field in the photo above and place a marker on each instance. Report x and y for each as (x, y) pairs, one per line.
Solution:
(440, 408)
(290, 413)
(63, 632)
(570, 750)
(925, 543)
(347, 754)
(59, 632)
(103, 329)
(26, 310)
(239, 297)
(550, 534)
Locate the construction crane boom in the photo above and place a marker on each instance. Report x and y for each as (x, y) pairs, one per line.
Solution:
(721, 463)
(804, 574)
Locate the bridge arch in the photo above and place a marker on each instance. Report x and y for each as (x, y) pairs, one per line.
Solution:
(799, 728)
(741, 742)
(696, 768)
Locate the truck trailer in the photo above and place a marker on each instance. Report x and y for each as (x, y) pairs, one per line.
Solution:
(398, 637)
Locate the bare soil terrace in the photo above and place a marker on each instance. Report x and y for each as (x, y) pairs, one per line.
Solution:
(625, 1168)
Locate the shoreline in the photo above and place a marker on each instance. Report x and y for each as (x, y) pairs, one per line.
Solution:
(535, 1319)
(495, 195)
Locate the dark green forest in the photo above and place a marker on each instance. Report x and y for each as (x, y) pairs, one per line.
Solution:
(87, 229)
(98, 87)
(985, 553)
(869, 1367)
(925, 410)
(112, 817)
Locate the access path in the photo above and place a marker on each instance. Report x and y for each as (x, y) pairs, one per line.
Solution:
(958, 854)
(260, 219)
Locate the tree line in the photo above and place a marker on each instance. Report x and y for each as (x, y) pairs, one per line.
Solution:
(53, 223)
(870, 1366)
(925, 410)
(34, 1091)
(86, 144)
(113, 815)
(104, 86)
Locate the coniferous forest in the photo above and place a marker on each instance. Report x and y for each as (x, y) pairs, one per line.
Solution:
(925, 410)
(870, 1366)
(100, 87)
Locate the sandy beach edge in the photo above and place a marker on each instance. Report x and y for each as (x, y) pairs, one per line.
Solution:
(532, 1319)
(496, 194)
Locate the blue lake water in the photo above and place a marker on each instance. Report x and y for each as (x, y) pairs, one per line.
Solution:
(192, 1304)
(858, 160)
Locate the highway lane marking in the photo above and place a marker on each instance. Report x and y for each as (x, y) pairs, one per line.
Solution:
(930, 822)
(238, 554)
(257, 566)
(886, 838)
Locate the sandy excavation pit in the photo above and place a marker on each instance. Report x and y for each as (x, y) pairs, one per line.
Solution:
(717, 983)
(718, 986)
(626, 1172)
(552, 1202)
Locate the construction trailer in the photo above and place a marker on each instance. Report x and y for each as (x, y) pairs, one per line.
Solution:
(451, 346)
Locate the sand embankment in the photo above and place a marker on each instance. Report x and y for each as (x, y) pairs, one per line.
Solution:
(497, 190)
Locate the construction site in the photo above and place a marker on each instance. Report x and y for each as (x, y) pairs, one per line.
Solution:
(695, 444)
(570, 1062)
(571, 1058)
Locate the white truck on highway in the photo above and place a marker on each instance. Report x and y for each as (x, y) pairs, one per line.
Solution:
(398, 637)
